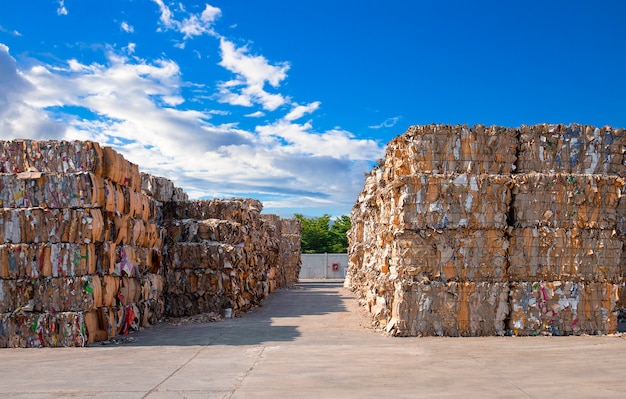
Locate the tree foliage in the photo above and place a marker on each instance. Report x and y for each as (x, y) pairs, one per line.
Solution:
(319, 236)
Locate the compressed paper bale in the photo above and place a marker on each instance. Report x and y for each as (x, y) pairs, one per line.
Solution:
(152, 286)
(161, 189)
(192, 230)
(22, 260)
(94, 332)
(39, 225)
(36, 330)
(563, 308)
(565, 254)
(111, 286)
(448, 309)
(460, 255)
(566, 200)
(597, 313)
(50, 156)
(7, 295)
(205, 255)
(488, 308)
(571, 149)
(446, 202)
(57, 294)
(129, 291)
(451, 149)
(241, 210)
(120, 170)
(47, 191)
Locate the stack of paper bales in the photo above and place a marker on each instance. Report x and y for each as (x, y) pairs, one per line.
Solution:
(220, 255)
(453, 234)
(82, 235)
(284, 255)
(566, 247)
(79, 246)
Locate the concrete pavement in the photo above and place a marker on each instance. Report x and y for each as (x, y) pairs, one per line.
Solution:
(314, 341)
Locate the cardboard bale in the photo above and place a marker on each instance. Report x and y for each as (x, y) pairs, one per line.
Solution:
(241, 210)
(445, 202)
(460, 255)
(22, 260)
(152, 286)
(50, 156)
(449, 149)
(39, 225)
(563, 308)
(574, 148)
(218, 230)
(161, 189)
(7, 295)
(549, 254)
(129, 291)
(36, 330)
(566, 200)
(55, 294)
(202, 255)
(448, 309)
(563, 221)
(120, 170)
(47, 191)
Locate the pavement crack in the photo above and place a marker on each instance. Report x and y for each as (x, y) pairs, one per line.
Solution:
(486, 366)
(173, 373)
(252, 367)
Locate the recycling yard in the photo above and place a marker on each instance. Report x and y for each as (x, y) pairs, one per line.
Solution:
(482, 262)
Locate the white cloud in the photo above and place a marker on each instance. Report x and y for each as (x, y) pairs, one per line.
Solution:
(256, 114)
(193, 25)
(301, 139)
(389, 122)
(126, 27)
(299, 111)
(130, 49)
(17, 117)
(61, 10)
(166, 15)
(252, 72)
(140, 107)
(256, 70)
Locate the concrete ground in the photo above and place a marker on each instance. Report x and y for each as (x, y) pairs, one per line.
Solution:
(314, 341)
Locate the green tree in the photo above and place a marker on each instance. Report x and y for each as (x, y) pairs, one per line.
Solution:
(338, 234)
(318, 236)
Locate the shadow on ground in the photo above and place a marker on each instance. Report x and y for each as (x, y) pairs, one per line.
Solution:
(252, 328)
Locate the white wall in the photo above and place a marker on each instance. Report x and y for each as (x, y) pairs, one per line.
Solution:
(321, 266)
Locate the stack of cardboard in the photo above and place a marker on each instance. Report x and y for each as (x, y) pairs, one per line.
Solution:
(284, 254)
(566, 248)
(452, 218)
(79, 247)
(82, 237)
(220, 255)
(161, 189)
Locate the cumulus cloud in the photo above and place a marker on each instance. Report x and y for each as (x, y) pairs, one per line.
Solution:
(194, 24)
(140, 107)
(252, 73)
(19, 118)
(302, 139)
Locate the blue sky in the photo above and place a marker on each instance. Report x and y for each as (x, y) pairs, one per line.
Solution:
(292, 102)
